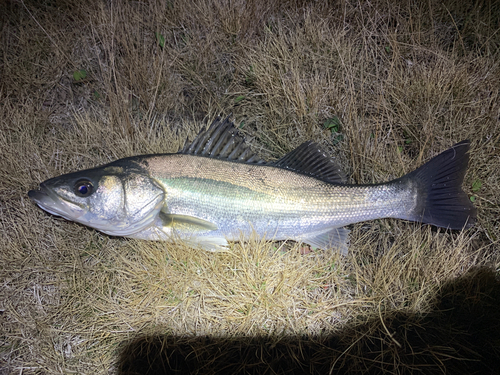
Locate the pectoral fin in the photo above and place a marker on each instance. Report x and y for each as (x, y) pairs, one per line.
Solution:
(193, 231)
(336, 238)
(186, 223)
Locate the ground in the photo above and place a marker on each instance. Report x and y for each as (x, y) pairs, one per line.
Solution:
(383, 86)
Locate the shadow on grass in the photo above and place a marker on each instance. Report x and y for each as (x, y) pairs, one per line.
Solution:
(460, 335)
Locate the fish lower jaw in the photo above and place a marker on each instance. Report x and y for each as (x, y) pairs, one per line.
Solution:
(72, 215)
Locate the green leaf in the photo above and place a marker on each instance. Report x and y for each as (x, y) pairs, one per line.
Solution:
(239, 98)
(472, 198)
(476, 185)
(388, 49)
(333, 124)
(338, 138)
(160, 39)
(79, 75)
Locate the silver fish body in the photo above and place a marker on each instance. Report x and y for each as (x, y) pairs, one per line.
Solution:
(209, 193)
(275, 203)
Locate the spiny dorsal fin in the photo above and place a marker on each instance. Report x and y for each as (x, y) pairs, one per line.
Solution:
(221, 141)
(310, 159)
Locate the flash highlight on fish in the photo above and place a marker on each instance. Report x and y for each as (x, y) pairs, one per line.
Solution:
(215, 190)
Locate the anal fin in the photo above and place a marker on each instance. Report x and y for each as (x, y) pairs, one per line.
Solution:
(335, 238)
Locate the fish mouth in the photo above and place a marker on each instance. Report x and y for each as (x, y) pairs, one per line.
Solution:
(53, 204)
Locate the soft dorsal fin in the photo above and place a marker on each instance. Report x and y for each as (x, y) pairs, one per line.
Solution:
(221, 141)
(310, 159)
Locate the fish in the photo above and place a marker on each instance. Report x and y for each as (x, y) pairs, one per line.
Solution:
(216, 189)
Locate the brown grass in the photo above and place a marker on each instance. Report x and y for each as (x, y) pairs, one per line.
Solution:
(405, 80)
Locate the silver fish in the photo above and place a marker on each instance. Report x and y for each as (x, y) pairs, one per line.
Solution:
(216, 190)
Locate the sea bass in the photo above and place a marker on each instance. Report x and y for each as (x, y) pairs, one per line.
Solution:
(216, 190)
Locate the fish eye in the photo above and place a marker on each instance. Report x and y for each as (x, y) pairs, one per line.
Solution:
(83, 188)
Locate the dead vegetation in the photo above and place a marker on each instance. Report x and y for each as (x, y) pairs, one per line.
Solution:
(84, 83)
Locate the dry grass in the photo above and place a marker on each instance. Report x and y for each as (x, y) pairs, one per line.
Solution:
(405, 81)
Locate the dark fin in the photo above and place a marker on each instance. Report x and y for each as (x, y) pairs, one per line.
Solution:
(310, 159)
(186, 222)
(335, 238)
(221, 141)
(441, 200)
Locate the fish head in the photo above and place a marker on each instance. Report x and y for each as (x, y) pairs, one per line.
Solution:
(119, 200)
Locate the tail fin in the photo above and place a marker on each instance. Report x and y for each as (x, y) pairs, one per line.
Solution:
(441, 200)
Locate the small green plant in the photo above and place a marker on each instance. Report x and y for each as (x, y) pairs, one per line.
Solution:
(407, 141)
(333, 124)
(79, 75)
(160, 39)
(476, 186)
